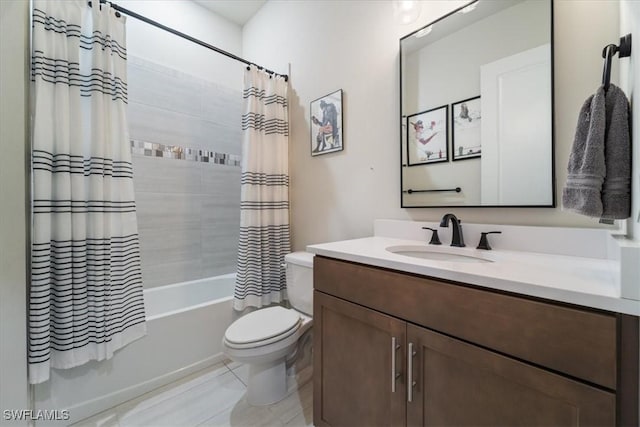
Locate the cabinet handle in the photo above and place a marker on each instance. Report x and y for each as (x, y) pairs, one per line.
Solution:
(394, 376)
(410, 382)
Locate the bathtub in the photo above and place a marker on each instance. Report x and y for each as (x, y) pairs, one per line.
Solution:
(185, 325)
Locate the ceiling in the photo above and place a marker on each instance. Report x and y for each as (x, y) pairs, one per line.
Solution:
(237, 11)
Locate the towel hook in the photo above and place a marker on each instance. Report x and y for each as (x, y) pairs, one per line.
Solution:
(623, 50)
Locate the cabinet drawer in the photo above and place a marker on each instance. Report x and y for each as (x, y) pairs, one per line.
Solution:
(573, 341)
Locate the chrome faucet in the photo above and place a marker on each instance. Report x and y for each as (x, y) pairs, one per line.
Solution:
(457, 239)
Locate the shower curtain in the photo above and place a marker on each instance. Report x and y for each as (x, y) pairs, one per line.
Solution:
(85, 299)
(264, 202)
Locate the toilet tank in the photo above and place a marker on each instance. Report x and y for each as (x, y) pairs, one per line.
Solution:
(299, 267)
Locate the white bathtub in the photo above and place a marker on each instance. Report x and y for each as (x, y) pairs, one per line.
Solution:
(174, 299)
(185, 325)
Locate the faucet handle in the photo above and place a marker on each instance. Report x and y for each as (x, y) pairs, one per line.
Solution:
(484, 242)
(435, 240)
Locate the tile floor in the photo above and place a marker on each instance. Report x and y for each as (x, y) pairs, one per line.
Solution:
(212, 397)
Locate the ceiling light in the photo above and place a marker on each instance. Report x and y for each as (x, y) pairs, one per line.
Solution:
(423, 32)
(406, 11)
(469, 8)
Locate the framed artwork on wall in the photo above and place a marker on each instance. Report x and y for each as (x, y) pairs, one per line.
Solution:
(326, 124)
(427, 136)
(466, 118)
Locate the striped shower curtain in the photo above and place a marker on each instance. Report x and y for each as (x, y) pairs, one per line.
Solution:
(264, 203)
(85, 298)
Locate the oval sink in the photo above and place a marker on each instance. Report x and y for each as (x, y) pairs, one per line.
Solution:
(440, 254)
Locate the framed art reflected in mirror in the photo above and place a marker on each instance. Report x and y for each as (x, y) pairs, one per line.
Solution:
(427, 136)
(466, 120)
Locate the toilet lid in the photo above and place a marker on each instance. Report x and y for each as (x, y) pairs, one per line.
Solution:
(262, 325)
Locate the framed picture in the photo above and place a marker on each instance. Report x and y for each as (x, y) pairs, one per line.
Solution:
(427, 136)
(465, 136)
(326, 124)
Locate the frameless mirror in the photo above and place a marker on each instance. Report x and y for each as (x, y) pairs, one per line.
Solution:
(476, 90)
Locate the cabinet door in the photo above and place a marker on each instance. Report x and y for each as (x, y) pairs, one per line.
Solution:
(356, 382)
(459, 384)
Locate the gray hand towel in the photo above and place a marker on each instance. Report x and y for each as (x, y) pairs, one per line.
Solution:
(582, 191)
(616, 189)
(599, 179)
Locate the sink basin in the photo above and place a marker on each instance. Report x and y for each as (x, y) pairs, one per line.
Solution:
(436, 254)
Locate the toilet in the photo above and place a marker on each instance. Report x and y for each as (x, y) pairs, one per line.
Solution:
(265, 338)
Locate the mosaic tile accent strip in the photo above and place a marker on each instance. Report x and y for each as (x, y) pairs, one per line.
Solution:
(152, 149)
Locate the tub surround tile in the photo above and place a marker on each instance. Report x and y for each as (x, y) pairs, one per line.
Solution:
(170, 255)
(159, 125)
(154, 87)
(162, 211)
(166, 273)
(217, 179)
(219, 137)
(220, 238)
(186, 236)
(170, 107)
(223, 217)
(221, 104)
(222, 259)
(186, 144)
(220, 221)
(165, 176)
(170, 245)
(209, 270)
(180, 152)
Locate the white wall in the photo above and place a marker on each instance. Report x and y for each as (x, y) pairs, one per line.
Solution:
(630, 83)
(14, 19)
(161, 47)
(354, 46)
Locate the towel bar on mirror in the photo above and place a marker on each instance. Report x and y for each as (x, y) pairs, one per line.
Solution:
(411, 191)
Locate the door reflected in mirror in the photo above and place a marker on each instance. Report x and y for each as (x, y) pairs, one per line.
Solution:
(488, 67)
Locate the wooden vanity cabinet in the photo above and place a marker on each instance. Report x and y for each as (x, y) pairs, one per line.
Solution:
(366, 335)
(356, 342)
(459, 384)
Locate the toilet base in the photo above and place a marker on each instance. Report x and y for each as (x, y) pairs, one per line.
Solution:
(267, 383)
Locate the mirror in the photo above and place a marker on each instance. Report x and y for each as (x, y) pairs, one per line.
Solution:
(476, 90)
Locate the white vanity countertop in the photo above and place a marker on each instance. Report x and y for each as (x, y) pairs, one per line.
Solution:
(589, 282)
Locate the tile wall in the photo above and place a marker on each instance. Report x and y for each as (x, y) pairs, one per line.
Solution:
(186, 144)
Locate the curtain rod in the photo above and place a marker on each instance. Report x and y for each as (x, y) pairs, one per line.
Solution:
(188, 37)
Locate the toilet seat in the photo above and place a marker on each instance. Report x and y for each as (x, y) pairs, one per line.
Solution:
(262, 327)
